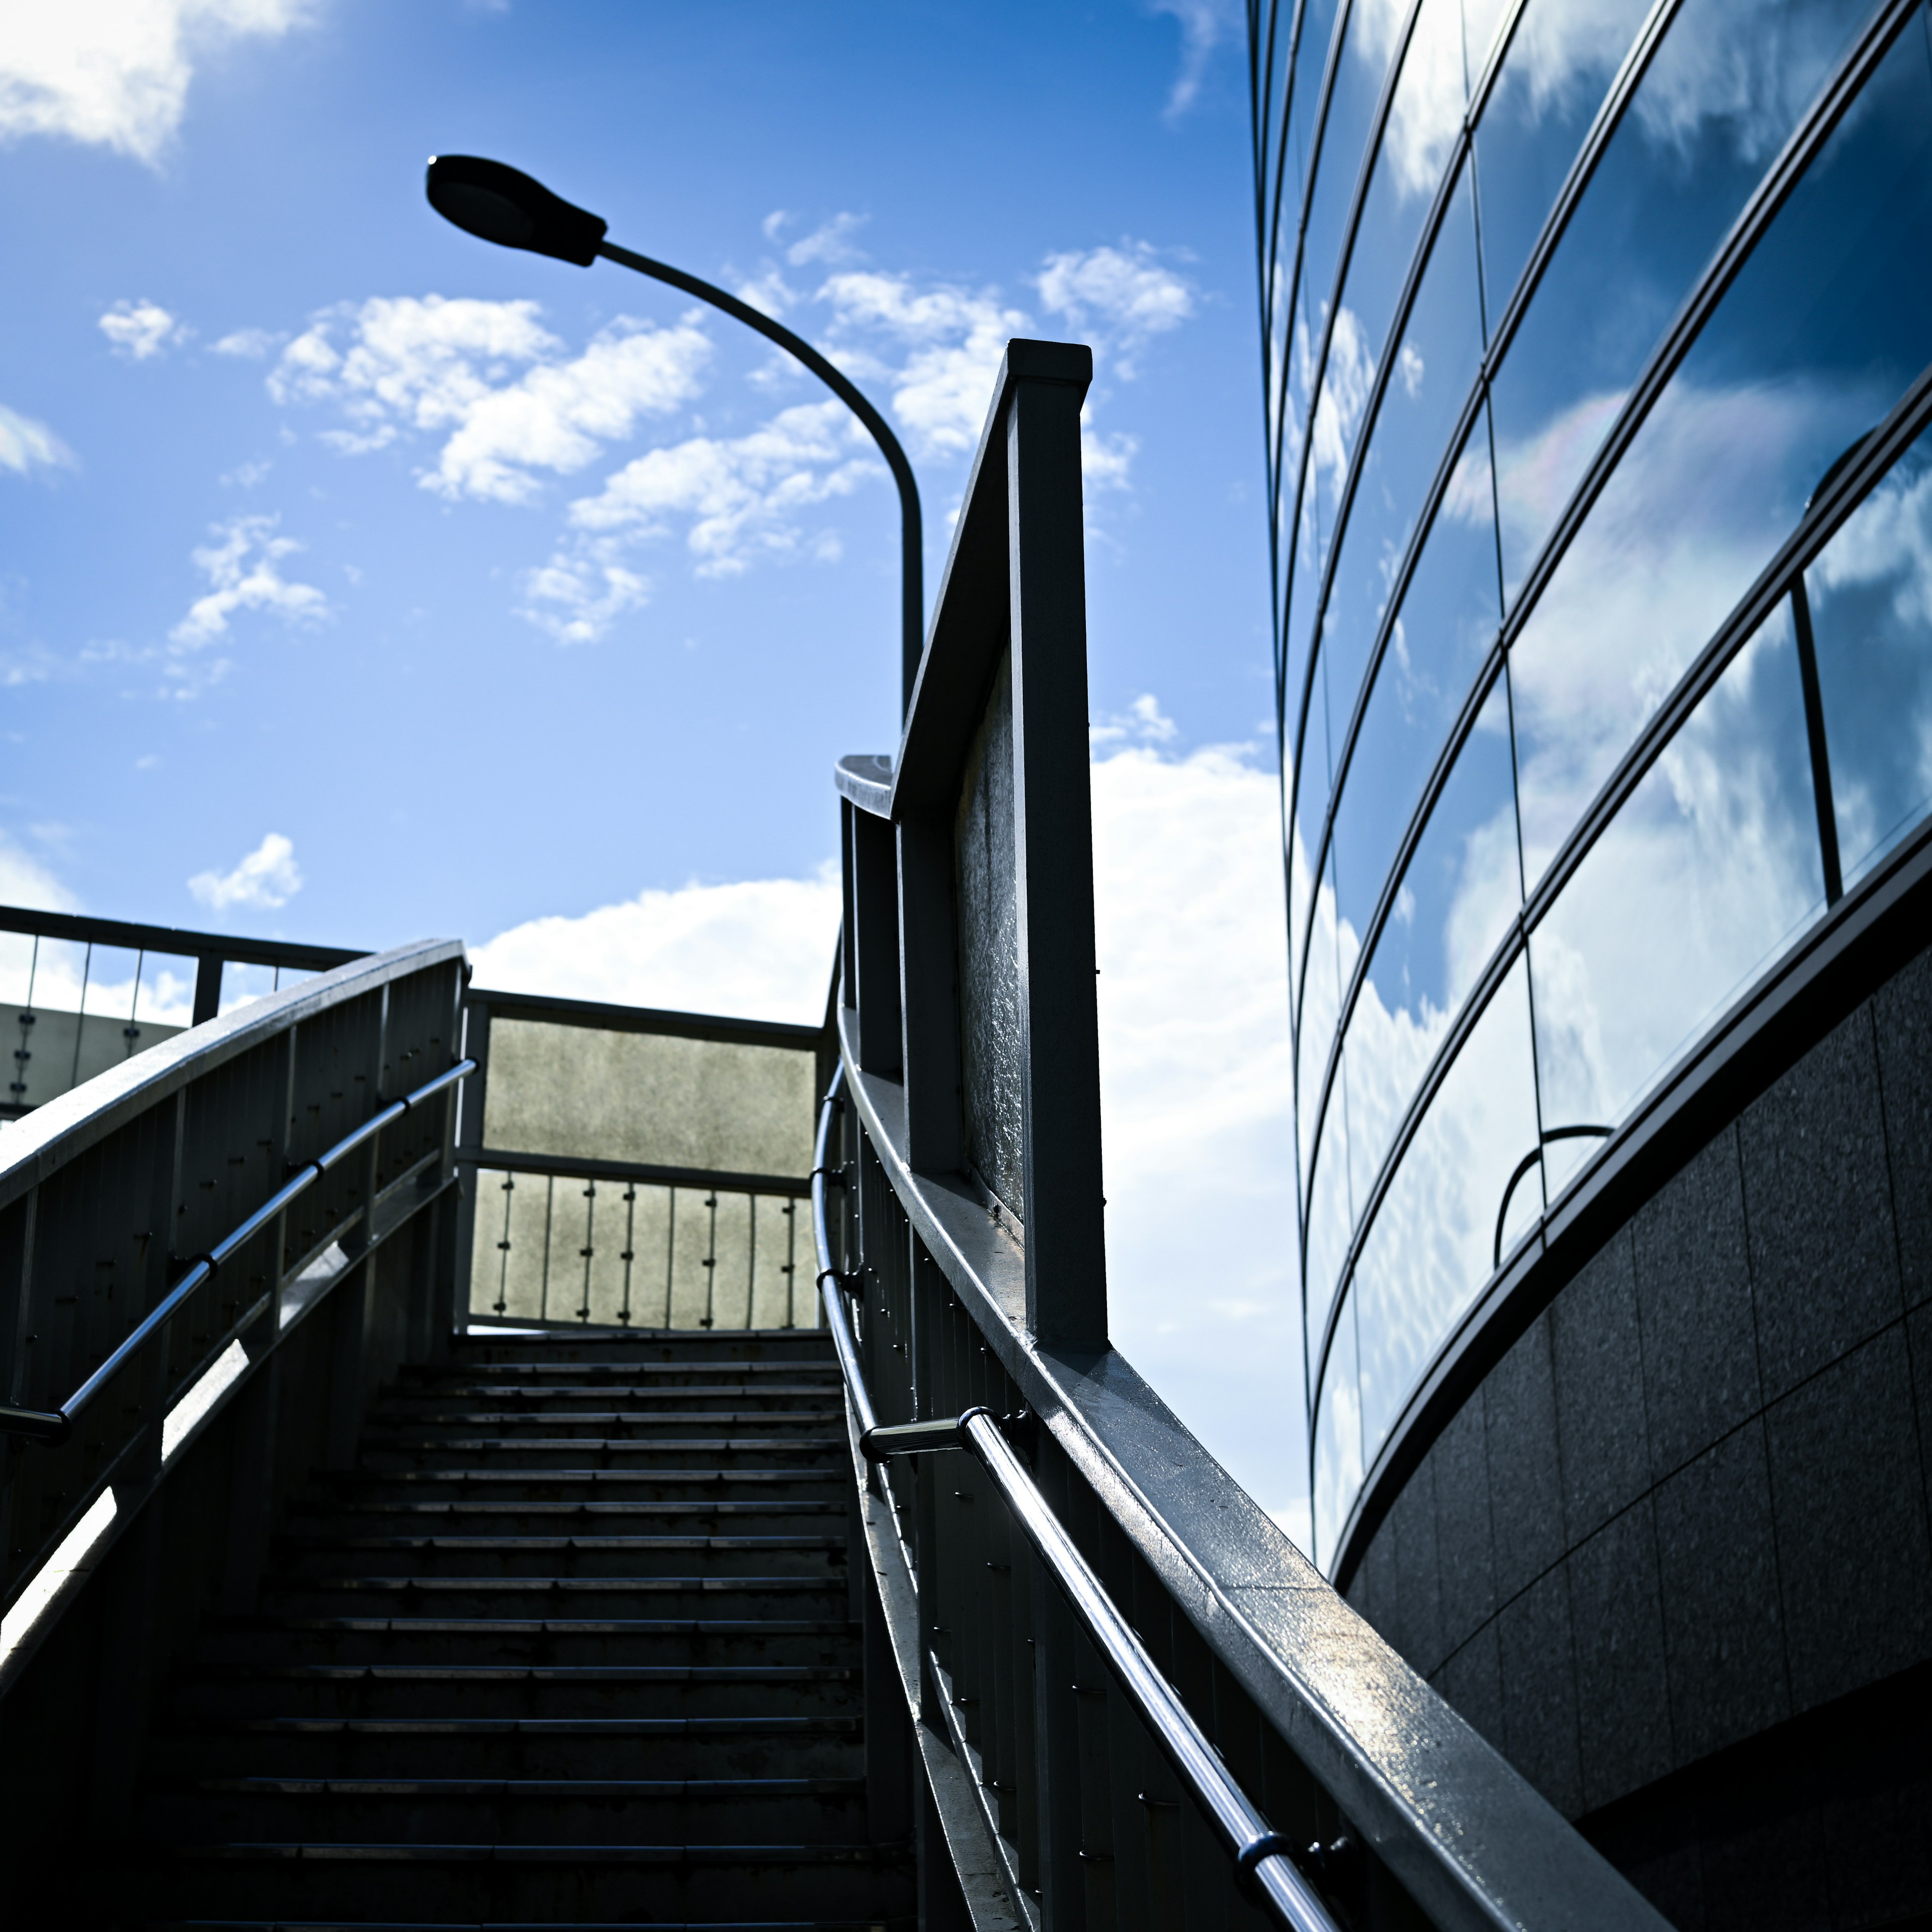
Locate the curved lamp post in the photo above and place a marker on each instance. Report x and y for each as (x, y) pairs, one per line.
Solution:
(502, 205)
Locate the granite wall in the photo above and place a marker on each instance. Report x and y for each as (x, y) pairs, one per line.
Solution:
(1684, 1521)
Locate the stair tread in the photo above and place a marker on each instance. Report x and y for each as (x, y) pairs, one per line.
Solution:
(364, 1718)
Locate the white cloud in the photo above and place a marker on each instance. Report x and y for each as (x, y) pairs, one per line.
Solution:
(267, 877)
(741, 492)
(25, 881)
(252, 344)
(25, 443)
(956, 339)
(829, 242)
(1143, 722)
(115, 73)
(760, 949)
(1204, 24)
(1196, 1100)
(141, 330)
(490, 379)
(1124, 292)
(244, 565)
(577, 598)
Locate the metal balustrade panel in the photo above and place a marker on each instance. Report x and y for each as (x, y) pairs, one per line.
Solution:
(114, 1193)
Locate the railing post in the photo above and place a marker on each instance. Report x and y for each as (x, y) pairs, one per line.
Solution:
(875, 912)
(1066, 1249)
(929, 938)
(207, 988)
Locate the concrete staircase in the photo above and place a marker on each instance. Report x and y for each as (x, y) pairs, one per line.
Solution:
(572, 1645)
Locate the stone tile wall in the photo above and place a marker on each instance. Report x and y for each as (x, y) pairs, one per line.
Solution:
(1691, 1503)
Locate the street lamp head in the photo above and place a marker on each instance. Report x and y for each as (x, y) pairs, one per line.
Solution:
(504, 205)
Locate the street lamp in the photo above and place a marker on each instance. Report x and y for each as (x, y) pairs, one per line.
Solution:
(502, 205)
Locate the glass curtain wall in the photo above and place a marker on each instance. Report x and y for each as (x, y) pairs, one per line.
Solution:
(1594, 341)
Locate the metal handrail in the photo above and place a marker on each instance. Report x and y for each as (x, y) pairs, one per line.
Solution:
(51, 1427)
(1262, 1858)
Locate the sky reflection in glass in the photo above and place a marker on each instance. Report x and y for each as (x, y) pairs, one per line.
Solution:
(1871, 595)
(1458, 895)
(1432, 1244)
(1825, 325)
(1559, 66)
(1712, 865)
(1722, 94)
(1330, 1221)
(1439, 641)
(1441, 347)
(1338, 1442)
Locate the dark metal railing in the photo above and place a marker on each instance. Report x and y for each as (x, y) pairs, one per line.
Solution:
(1261, 1858)
(52, 1427)
(212, 1193)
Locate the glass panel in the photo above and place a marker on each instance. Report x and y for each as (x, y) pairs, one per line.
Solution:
(1440, 349)
(1338, 1443)
(1447, 625)
(598, 1094)
(1369, 38)
(1321, 998)
(1304, 593)
(1310, 802)
(989, 951)
(1871, 595)
(1710, 867)
(1311, 57)
(1433, 1244)
(1558, 67)
(1826, 324)
(1330, 1219)
(1425, 117)
(166, 999)
(240, 985)
(1725, 89)
(1481, 20)
(1457, 898)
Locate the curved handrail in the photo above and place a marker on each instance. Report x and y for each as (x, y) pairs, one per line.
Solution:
(51, 1428)
(1260, 1856)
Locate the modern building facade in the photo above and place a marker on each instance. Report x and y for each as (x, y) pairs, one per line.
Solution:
(1596, 342)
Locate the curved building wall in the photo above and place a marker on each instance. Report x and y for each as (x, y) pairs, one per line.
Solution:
(1596, 340)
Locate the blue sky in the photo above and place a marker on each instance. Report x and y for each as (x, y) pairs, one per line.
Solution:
(360, 582)
(246, 590)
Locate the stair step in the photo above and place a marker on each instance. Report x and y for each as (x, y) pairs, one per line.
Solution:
(560, 1561)
(516, 1691)
(633, 1557)
(532, 1640)
(505, 1748)
(566, 1484)
(466, 1515)
(539, 1882)
(607, 1420)
(560, 1452)
(583, 1811)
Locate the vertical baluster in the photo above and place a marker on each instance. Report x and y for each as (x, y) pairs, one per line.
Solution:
(550, 1219)
(630, 1248)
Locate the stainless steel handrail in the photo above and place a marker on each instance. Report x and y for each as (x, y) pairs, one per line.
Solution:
(51, 1427)
(1262, 1857)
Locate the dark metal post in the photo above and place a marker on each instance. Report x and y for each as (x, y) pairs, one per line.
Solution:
(929, 994)
(1065, 1252)
(876, 944)
(207, 988)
